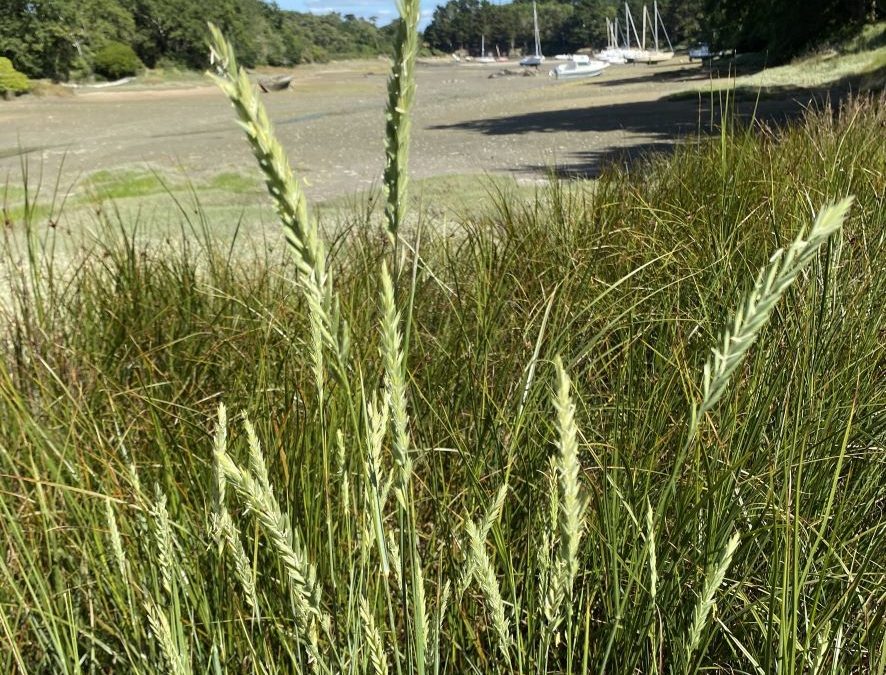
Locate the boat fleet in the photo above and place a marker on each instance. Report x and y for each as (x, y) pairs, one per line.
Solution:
(639, 52)
(620, 47)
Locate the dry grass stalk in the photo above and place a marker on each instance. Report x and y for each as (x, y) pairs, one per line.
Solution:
(650, 551)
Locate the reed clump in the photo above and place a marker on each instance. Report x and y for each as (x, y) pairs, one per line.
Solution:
(526, 450)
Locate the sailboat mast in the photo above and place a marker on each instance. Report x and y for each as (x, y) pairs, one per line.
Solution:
(535, 25)
(627, 27)
(645, 13)
(655, 22)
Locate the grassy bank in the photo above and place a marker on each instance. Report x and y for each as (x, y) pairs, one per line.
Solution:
(857, 64)
(508, 459)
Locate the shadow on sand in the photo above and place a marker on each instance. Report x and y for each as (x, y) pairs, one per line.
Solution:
(653, 126)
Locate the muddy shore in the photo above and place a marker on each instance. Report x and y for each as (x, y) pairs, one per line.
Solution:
(331, 122)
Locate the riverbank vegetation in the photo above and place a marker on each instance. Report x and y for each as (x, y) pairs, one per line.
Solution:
(62, 39)
(65, 39)
(634, 425)
(780, 30)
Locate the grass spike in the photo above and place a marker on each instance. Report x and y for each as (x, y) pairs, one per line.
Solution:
(395, 379)
(116, 542)
(713, 579)
(179, 662)
(287, 546)
(773, 280)
(571, 503)
(222, 525)
(376, 423)
(377, 656)
(401, 95)
(488, 583)
(301, 231)
(163, 538)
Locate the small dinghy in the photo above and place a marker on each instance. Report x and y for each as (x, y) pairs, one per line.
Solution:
(275, 83)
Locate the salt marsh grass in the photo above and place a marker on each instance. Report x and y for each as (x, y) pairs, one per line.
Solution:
(637, 428)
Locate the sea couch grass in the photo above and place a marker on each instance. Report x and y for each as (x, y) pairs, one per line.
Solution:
(508, 447)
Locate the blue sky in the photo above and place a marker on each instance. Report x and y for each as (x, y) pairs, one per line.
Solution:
(384, 10)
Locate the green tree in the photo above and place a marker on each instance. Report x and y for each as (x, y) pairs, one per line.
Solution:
(784, 27)
(115, 60)
(51, 38)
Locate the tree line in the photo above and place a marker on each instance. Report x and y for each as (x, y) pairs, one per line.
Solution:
(781, 27)
(64, 39)
(564, 26)
(60, 39)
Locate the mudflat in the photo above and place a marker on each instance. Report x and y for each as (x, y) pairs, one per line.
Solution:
(331, 122)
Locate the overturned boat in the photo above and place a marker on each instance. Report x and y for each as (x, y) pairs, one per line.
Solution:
(275, 83)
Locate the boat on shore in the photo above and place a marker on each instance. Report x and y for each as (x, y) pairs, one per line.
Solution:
(613, 54)
(575, 70)
(655, 55)
(269, 84)
(577, 58)
(536, 59)
(484, 57)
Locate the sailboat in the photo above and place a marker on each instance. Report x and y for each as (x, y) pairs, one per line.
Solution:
(484, 57)
(654, 55)
(535, 59)
(613, 54)
(630, 52)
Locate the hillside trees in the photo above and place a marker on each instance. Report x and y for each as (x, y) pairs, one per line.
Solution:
(34, 36)
(785, 27)
(59, 39)
(51, 38)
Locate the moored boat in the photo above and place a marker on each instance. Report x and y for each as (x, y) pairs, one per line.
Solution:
(537, 58)
(655, 55)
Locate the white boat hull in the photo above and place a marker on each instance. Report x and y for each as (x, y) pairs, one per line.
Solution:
(612, 56)
(650, 57)
(573, 70)
(577, 58)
